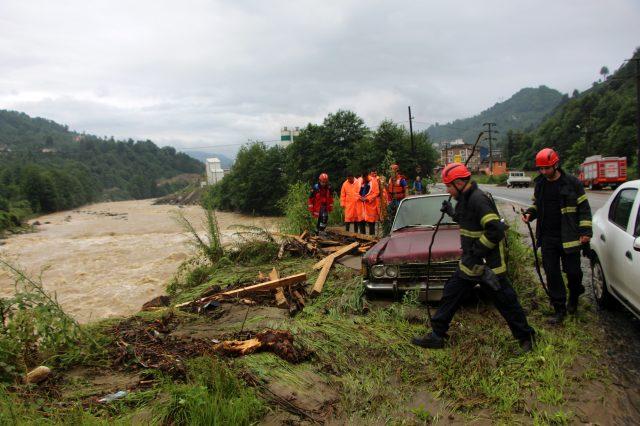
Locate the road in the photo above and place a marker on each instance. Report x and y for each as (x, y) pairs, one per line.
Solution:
(522, 196)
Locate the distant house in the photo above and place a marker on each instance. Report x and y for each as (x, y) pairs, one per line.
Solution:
(458, 153)
(48, 150)
(215, 173)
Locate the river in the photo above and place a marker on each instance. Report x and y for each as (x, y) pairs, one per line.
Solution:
(107, 259)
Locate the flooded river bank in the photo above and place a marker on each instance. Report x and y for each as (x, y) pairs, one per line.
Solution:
(107, 259)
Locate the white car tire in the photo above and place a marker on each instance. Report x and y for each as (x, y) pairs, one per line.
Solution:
(599, 286)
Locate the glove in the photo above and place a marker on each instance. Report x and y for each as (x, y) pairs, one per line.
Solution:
(490, 279)
(447, 208)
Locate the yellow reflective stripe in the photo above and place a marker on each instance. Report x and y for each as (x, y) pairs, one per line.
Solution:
(475, 272)
(585, 223)
(503, 266)
(488, 218)
(471, 234)
(582, 198)
(533, 207)
(571, 244)
(566, 210)
(485, 241)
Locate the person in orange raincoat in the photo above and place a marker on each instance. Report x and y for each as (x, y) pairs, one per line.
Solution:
(349, 196)
(382, 200)
(368, 203)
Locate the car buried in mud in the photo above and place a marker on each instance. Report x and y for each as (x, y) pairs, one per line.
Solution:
(398, 262)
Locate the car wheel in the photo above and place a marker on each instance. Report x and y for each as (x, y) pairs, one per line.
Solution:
(526, 185)
(599, 286)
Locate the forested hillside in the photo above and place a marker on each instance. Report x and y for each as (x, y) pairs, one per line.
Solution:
(600, 120)
(261, 175)
(44, 167)
(523, 111)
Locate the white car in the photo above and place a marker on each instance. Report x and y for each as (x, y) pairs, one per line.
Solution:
(616, 242)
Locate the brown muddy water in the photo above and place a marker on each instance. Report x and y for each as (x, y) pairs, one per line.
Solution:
(107, 259)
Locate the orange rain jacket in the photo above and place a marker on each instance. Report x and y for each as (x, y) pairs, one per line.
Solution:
(368, 209)
(349, 196)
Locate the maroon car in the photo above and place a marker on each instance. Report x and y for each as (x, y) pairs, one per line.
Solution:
(398, 262)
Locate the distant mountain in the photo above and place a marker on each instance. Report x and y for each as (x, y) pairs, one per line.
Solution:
(45, 167)
(600, 120)
(225, 161)
(523, 111)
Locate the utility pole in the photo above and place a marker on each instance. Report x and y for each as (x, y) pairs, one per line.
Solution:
(491, 139)
(637, 61)
(413, 145)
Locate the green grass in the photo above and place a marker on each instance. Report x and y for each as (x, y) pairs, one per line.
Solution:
(362, 350)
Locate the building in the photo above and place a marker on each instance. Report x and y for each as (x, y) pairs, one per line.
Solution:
(287, 134)
(455, 152)
(214, 171)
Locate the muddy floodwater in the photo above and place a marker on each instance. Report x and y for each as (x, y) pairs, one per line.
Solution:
(107, 259)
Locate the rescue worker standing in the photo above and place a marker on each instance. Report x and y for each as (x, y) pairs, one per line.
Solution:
(564, 226)
(482, 236)
(397, 190)
(320, 202)
(349, 197)
(368, 203)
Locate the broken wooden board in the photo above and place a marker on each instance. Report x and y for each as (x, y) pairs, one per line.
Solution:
(344, 250)
(281, 300)
(322, 277)
(340, 231)
(269, 285)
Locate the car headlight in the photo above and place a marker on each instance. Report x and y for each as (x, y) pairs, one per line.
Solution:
(391, 271)
(377, 271)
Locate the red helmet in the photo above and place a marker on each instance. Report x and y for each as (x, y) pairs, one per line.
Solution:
(453, 171)
(324, 177)
(547, 157)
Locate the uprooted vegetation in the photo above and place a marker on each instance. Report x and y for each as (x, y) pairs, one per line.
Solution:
(222, 355)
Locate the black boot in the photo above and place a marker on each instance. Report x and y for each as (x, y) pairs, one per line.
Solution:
(431, 341)
(526, 345)
(558, 316)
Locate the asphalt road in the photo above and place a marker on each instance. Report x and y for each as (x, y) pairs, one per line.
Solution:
(522, 196)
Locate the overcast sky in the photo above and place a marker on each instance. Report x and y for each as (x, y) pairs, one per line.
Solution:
(202, 73)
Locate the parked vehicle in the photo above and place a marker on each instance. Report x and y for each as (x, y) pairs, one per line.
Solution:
(616, 242)
(398, 262)
(598, 171)
(518, 179)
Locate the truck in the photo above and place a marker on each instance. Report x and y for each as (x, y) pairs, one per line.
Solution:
(518, 179)
(598, 171)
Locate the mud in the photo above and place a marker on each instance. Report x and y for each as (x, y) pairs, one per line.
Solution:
(107, 259)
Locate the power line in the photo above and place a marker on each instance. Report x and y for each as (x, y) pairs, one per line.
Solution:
(229, 144)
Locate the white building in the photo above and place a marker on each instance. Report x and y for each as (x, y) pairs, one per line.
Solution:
(287, 134)
(214, 171)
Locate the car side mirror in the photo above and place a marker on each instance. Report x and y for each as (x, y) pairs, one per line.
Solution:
(636, 244)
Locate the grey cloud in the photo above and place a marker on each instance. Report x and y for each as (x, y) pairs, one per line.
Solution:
(209, 73)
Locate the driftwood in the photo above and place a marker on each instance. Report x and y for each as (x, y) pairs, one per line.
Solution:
(269, 285)
(354, 235)
(279, 342)
(344, 250)
(281, 300)
(322, 277)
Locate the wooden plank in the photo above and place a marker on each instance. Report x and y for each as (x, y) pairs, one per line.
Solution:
(344, 250)
(298, 297)
(322, 277)
(269, 285)
(281, 300)
(305, 234)
(340, 231)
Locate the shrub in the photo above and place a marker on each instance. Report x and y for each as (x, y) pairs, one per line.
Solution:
(294, 205)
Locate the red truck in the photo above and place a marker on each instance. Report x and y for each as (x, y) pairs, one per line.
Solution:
(598, 171)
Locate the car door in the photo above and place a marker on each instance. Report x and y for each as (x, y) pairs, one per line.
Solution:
(619, 242)
(633, 277)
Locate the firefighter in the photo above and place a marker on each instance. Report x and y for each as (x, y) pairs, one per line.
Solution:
(321, 202)
(349, 196)
(368, 203)
(482, 236)
(563, 228)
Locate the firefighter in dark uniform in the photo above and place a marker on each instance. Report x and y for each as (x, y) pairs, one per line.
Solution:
(482, 236)
(564, 227)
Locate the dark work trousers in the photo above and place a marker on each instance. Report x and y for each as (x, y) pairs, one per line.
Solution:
(372, 227)
(323, 218)
(505, 299)
(552, 254)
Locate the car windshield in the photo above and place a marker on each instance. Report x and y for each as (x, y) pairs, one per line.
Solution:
(421, 211)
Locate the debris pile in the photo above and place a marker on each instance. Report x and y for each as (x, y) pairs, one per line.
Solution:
(333, 240)
(280, 342)
(148, 344)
